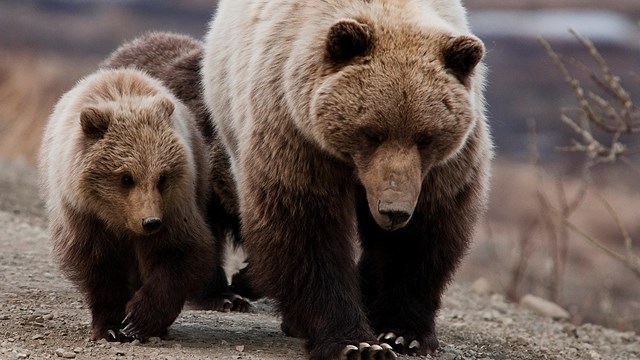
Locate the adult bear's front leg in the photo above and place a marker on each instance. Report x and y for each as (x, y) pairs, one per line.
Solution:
(406, 271)
(300, 243)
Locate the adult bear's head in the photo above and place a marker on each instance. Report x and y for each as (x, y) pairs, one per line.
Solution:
(395, 103)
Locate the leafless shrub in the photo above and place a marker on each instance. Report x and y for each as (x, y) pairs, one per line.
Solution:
(612, 111)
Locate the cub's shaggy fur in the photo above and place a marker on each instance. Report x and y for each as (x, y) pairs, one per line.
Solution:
(125, 178)
(352, 122)
(175, 60)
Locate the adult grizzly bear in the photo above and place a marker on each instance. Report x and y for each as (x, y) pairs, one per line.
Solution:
(352, 122)
(175, 60)
(125, 178)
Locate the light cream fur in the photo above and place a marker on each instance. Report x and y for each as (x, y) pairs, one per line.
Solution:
(253, 42)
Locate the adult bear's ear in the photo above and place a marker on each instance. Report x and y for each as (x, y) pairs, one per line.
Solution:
(94, 122)
(165, 106)
(461, 55)
(347, 39)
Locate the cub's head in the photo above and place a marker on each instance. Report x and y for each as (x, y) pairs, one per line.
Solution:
(396, 103)
(137, 169)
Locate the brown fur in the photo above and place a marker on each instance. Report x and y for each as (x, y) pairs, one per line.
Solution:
(119, 150)
(352, 123)
(175, 60)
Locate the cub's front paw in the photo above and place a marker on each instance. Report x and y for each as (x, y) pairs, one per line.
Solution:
(408, 342)
(109, 333)
(226, 302)
(145, 318)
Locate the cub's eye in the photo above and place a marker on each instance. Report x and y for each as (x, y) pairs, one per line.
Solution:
(162, 180)
(126, 181)
(424, 141)
(373, 136)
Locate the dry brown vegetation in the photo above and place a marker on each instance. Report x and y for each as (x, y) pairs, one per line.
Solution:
(570, 233)
(29, 87)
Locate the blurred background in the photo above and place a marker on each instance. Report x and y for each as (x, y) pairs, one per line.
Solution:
(561, 224)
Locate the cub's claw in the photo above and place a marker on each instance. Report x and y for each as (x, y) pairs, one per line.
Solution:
(129, 331)
(126, 319)
(112, 335)
(227, 305)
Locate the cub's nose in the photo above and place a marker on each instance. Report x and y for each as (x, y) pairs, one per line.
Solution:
(151, 224)
(398, 212)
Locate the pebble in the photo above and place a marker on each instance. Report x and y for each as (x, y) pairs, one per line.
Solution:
(544, 307)
(4, 317)
(482, 287)
(65, 354)
(155, 340)
(240, 348)
(37, 337)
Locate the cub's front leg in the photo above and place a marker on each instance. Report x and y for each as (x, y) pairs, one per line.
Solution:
(172, 266)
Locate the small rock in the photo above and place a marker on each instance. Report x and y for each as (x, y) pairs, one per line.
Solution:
(482, 287)
(544, 307)
(594, 355)
(48, 317)
(570, 330)
(65, 354)
(155, 340)
(22, 356)
(77, 350)
(4, 317)
(37, 337)
(240, 348)
(135, 342)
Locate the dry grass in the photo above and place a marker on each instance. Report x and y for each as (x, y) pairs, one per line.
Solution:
(594, 287)
(29, 87)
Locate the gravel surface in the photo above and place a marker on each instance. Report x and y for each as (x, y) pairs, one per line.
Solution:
(42, 316)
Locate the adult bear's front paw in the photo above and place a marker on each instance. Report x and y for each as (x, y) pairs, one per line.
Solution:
(408, 342)
(353, 351)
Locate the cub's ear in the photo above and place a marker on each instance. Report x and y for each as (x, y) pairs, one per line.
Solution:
(347, 39)
(165, 106)
(461, 55)
(94, 122)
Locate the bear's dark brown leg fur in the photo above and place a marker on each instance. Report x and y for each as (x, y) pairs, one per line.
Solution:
(315, 282)
(103, 270)
(172, 265)
(413, 265)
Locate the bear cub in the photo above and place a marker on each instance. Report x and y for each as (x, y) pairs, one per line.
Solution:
(175, 60)
(124, 175)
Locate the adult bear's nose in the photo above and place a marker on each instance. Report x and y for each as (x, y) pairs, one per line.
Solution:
(397, 212)
(151, 224)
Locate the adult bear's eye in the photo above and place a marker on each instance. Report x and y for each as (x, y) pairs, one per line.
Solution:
(373, 137)
(126, 180)
(162, 180)
(424, 141)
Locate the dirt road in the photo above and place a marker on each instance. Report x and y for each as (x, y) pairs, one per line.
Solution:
(43, 317)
